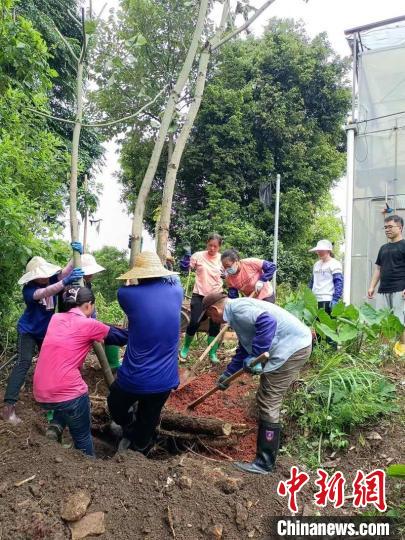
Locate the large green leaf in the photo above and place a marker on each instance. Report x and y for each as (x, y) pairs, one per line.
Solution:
(324, 318)
(370, 316)
(311, 303)
(323, 329)
(338, 309)
(391, 326)
(347, 332)
(351, 312)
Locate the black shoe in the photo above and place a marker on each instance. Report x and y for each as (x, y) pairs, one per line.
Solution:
(268, 443)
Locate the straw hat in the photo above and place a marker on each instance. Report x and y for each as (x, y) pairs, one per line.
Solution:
(147, 265)
(323, 245)
(38, 268)
(89, 265)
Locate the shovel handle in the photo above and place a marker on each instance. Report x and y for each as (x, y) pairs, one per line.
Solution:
(259, 359)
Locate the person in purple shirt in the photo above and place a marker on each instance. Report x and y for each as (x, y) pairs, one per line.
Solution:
(42, 282)
(149, 370)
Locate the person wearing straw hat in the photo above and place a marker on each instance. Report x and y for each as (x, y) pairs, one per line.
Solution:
(327, 278)
(263, 327)
(149, 371)
(41, 282)
(58, 385)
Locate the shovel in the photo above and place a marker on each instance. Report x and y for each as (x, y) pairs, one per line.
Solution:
(259, 359)
(188, 375)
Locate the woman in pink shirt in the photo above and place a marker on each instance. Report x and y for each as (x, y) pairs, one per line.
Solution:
(248, 276)
(207, 267)
(58, 384)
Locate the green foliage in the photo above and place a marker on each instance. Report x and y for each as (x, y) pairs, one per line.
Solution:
(33, 161)
(396, 470)
(272, 104)
(48, 16)
(337, 394)
(109, 312)
(115, 263)
(350, 326)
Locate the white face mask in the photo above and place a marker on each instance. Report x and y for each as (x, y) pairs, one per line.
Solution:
(231, 271)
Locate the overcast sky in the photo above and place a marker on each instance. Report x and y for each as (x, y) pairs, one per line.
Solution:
(330, 16)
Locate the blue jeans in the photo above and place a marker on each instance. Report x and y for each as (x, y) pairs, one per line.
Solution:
(75, 414)
(26, 346)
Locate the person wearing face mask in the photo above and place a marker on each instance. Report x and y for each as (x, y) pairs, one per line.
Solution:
(58, 385)
(327, 277)
(41, 282)
(248, 276)
(207, 267)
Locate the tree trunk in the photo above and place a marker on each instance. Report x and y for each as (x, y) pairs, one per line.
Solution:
(74, 160)
(176, 421)
(74, 229)
(173, 167)
(171, 174)
(137, 223)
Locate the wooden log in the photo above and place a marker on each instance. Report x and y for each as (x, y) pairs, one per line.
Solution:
(207, 440)
(173, 420)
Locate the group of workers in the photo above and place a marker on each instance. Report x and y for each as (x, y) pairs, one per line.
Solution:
(151, 297)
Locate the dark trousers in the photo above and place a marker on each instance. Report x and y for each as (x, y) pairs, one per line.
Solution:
(26, 345)
(196, 311)
(326, 306)
(139, 427)
(76, 415)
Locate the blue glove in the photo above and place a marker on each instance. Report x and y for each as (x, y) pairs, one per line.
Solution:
(255, 370)
(74, 277)
(77, 246)
(333, 303)
(187, 251)
(220, 382)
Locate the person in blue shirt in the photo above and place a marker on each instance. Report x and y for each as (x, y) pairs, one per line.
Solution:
(42, 282)
(263, 327)
(149, 370)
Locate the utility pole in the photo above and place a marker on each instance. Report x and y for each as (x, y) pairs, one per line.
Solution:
(276, 220)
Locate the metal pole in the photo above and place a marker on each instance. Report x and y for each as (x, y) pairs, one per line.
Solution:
(276, 219)
(350, 132)
(349, 213)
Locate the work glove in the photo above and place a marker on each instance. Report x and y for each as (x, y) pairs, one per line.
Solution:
(74, 277)
(253, 370)
(220, 382)
(259, 286)
(187, 251)
(333, 303)
(77, 246)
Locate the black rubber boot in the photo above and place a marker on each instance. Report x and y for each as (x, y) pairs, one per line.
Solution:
(268, 442)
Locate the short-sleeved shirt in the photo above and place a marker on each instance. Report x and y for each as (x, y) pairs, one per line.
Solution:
(391, 260)
(68, 339)
(207, 273)
(38, 313)
(150, 363)
(245, 280)
(323, 272)
(291, 334)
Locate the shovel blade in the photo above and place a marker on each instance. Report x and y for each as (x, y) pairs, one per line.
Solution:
(186, 376)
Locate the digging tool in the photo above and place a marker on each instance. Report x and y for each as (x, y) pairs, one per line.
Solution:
(188, 375)
(260, 359)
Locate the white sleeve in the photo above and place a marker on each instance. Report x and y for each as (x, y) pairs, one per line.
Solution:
(336, 267)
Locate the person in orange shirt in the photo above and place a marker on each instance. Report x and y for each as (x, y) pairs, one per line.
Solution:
(248, 276)
(207, 267)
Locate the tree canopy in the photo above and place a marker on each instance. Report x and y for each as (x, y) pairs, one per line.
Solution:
(274, 104)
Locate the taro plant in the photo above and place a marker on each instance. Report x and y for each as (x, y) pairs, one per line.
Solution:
(348, 326)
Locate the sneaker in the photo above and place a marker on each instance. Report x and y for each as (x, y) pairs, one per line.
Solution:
(9, 414)
(54, 433)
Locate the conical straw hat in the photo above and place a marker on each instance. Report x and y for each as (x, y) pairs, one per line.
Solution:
(147, 265)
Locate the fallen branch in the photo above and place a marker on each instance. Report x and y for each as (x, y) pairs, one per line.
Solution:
(21, 482)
